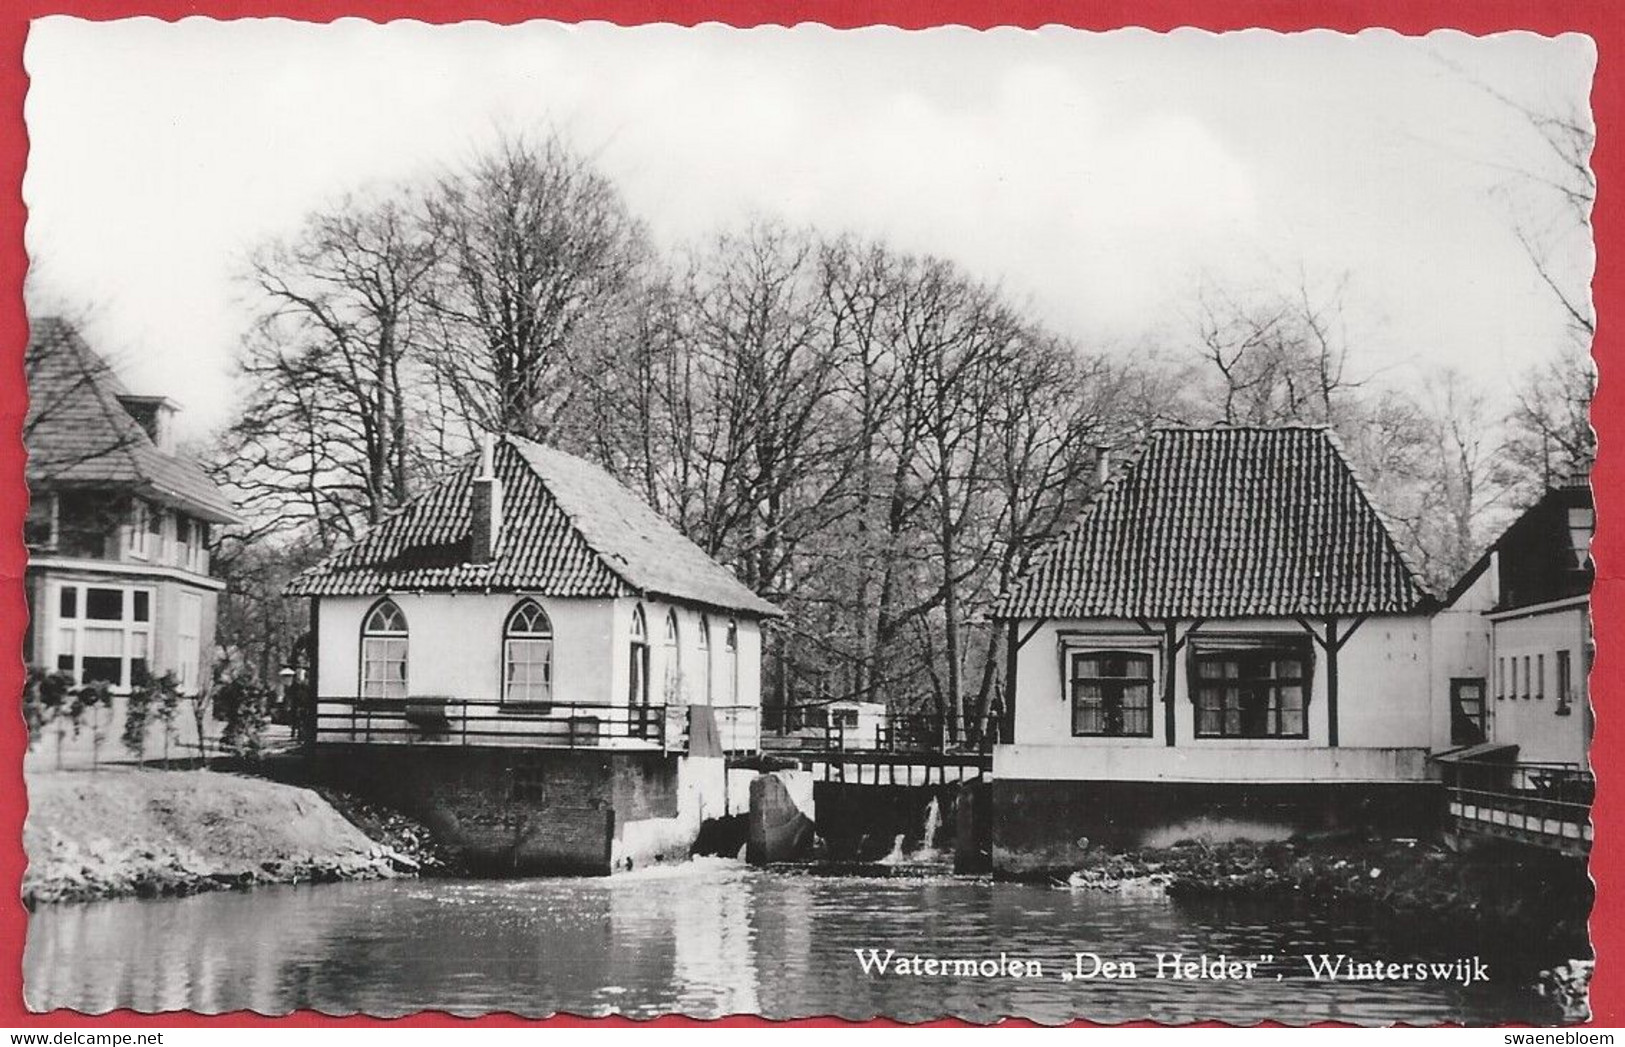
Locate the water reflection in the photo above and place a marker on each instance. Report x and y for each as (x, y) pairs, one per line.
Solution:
(713, 938)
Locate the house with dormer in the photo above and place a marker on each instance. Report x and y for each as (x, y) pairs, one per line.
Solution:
(119, 525)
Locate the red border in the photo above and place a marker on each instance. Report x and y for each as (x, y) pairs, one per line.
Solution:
(1549, 17)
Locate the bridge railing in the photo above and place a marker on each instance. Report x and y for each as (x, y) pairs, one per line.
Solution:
(434, 720)
(814, 729)
(739, 728)
(1545, 804)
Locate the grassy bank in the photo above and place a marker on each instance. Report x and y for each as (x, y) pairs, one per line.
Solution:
(125, 831)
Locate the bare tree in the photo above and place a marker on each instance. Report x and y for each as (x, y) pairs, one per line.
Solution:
(1550, 435)
(1275, 359)
(540, 251)
(333, 363)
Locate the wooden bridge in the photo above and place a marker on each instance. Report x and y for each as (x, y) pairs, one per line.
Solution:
(890, 749)
(1545, 805)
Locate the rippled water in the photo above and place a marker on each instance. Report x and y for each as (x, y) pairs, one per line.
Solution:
(713, 938)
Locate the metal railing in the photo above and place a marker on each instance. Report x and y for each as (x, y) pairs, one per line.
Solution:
(813, 729)
(452, 721)
(1546, 804)
(437, 721)
(739, 728)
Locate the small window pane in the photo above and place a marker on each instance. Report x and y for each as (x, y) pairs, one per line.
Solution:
(141, 609)
(68, 602)
(104, 605)
(110, 670)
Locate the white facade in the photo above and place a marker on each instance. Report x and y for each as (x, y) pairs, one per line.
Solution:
(1529, 707)
(1463, 657)
(1533, 662)
(455, 649)
(1384, 703)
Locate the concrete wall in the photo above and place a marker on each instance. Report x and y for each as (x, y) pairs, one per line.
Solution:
(559, 811)
(455, 648)
(1462, 649)
(1045, 827)
(781, 817)
(700, 795)
(863, 822)
(1531, 718)
(1236, 762)
(1383, 693)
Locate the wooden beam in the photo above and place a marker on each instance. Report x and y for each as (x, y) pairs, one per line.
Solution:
(1341, 640)
(1007, 729)
(1170, 651)
(1332, 647)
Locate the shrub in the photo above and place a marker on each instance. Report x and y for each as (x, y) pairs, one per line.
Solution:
(245, 707)
(45, 692)
(86, 700)
(152, 697)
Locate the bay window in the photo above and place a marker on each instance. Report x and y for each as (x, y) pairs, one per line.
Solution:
(102, 632)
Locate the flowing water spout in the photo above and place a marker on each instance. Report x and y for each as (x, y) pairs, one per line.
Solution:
(933, 822)
(896, 856)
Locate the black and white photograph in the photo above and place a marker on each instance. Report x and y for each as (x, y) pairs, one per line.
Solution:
(573, 519)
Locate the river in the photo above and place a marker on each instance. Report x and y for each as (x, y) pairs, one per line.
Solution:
(714, 937)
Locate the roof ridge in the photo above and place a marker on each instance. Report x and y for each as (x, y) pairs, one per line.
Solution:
(1244, 427)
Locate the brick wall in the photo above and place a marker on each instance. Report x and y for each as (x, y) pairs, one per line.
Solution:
(548, 811)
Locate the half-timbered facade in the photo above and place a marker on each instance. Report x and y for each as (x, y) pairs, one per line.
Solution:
(1229, 616)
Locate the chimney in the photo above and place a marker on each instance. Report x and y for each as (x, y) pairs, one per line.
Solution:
(486, 502)
(1103, 464)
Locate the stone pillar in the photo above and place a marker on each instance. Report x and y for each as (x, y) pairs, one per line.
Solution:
(781, 817)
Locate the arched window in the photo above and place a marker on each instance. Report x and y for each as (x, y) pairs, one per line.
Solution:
(705, 660)
(731, 645)
(527, 655)
(674, 660)
(383, 652)
(638, 676)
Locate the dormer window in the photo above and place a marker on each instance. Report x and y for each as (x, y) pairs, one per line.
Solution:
(155, 415)
(1582, 524)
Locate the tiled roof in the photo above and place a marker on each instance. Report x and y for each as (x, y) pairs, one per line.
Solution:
(1223, 523)
(568, 529)
(79, 435)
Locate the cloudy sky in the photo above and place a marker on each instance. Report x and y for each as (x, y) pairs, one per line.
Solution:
(1100, 178)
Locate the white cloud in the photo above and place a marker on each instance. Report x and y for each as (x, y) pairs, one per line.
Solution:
(1096, 176)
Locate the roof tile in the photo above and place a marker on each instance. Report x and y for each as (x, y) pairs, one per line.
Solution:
(568, 529)
(1223, 523)
(79, 435)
